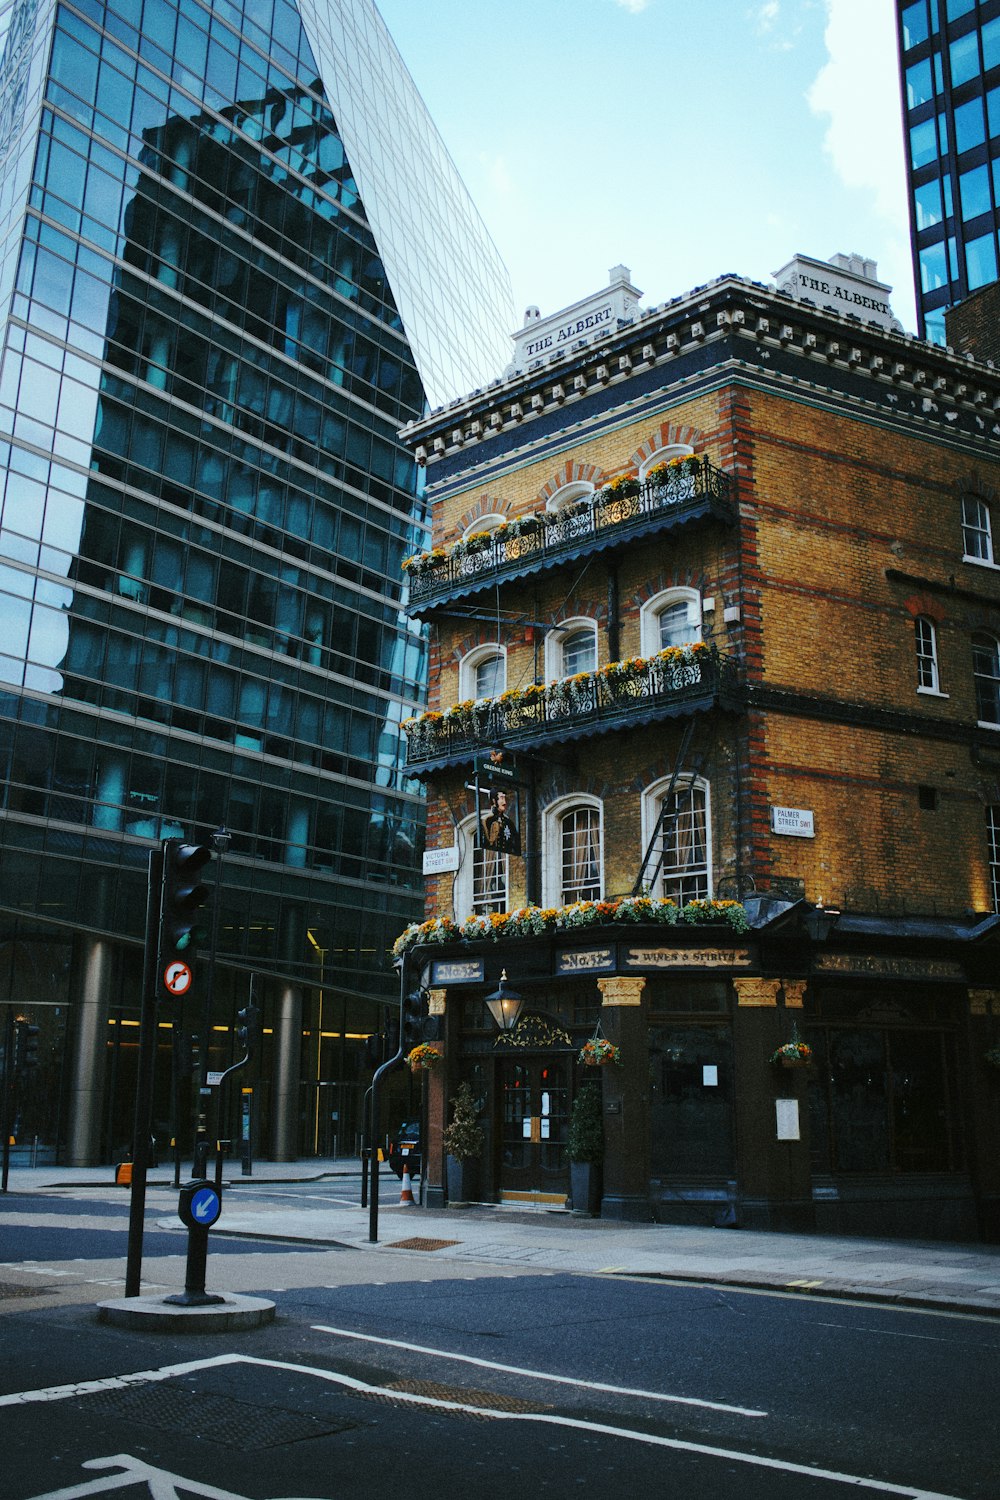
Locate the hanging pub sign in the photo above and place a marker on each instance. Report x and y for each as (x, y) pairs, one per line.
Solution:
(498, 819)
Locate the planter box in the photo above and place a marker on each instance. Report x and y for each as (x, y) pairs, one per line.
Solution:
(585, 1181)
(463, 1179)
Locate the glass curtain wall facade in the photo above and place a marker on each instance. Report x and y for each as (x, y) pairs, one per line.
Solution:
(204, 511)
(950, 79)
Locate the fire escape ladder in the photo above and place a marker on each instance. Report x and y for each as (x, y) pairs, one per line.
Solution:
(669, 811)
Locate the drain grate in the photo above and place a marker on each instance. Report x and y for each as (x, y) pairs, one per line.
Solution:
(222, 1419)
(420, 1244)
(9, 1289)
(489, 1399)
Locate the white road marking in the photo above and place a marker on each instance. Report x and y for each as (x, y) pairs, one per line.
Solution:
(589, 1385)
(332, 1377)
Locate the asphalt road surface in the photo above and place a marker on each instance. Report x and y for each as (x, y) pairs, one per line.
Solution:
(387, 1371)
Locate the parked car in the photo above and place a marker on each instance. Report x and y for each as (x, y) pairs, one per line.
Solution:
(404, 1149)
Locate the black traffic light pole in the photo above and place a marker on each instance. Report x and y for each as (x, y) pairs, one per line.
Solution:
(144, 1082)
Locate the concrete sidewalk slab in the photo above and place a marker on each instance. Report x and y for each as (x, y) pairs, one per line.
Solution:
(927, 1274)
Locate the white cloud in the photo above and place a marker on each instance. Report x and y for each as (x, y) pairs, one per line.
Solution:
(633, 6)
(857, 89)
(767, 14)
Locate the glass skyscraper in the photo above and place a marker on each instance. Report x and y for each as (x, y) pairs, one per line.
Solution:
(234, 260)
(950, 76)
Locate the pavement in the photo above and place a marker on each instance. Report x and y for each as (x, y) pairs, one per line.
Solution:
(933, 1275)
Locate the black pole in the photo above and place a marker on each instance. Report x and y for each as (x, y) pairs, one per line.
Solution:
(146, 1075)
(8, 1069)
(404, 970)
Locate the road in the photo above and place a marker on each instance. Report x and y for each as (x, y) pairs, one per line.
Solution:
(385, 1368)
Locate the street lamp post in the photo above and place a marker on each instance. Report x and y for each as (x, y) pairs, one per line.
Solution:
(220, 841)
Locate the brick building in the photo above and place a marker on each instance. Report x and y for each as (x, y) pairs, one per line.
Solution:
(713, 600)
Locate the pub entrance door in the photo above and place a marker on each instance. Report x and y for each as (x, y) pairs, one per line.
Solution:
(534, 1094)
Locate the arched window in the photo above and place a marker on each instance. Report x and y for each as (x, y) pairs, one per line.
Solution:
(571, 648)
(569, 494)
(483, 881)
(663, 455)
(483, 672)
(925, 640)
(573, 864)
(683, 845)
(670, 618)
(484, 524)
(986, 670)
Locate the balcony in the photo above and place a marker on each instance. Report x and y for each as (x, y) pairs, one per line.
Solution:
(616, 516)
(677, 682)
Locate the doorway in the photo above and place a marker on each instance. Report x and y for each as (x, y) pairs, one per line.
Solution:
(534, 1095)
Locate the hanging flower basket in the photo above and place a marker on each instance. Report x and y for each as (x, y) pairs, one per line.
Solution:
(423, 1059)
(792, 1055)
(599, 1053)
(992, 1058)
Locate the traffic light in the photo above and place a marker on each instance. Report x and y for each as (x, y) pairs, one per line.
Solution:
(182, 898)
(27, 1046)
(414, 1007)
(248, 1028)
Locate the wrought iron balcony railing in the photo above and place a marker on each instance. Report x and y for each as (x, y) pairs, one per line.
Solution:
(531, 543)
(678, 681)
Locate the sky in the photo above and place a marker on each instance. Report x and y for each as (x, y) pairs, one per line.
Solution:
(685, 139)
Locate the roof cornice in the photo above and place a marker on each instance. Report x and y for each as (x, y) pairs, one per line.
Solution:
(728, 308)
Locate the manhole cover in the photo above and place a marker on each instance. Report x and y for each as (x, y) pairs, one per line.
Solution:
(222, 1419)
(8, 1289)
(419, 1244)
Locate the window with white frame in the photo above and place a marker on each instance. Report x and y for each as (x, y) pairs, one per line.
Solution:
(580, 855)
(925, 640)
(986, 671)
(681, 821)
(569, 494)
(977, 536)
(670, 618)
(483, 881)
(483, 525)
(482, 673)
(993, 846)
(571, 648)
(572, 867)
(664, 455)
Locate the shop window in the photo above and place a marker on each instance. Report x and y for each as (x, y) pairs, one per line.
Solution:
(573, 861)
(691, 1101)
(977, 535)
(993, 850)
(925, 639)
(683, 840)
(883, 1100)
(986, 671)
(672, 618)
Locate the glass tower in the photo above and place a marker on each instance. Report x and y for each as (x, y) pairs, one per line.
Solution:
(220, 301)
(950, 78)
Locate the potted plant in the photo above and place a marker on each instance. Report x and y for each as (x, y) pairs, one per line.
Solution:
(598, 1052)
(423, 1058)
(464, 1140)
(585, 1148)
(793, 1054)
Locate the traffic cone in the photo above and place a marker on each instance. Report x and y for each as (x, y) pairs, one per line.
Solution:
(406, 1196)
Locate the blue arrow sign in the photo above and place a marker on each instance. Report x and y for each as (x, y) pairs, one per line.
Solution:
(205, 1206)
